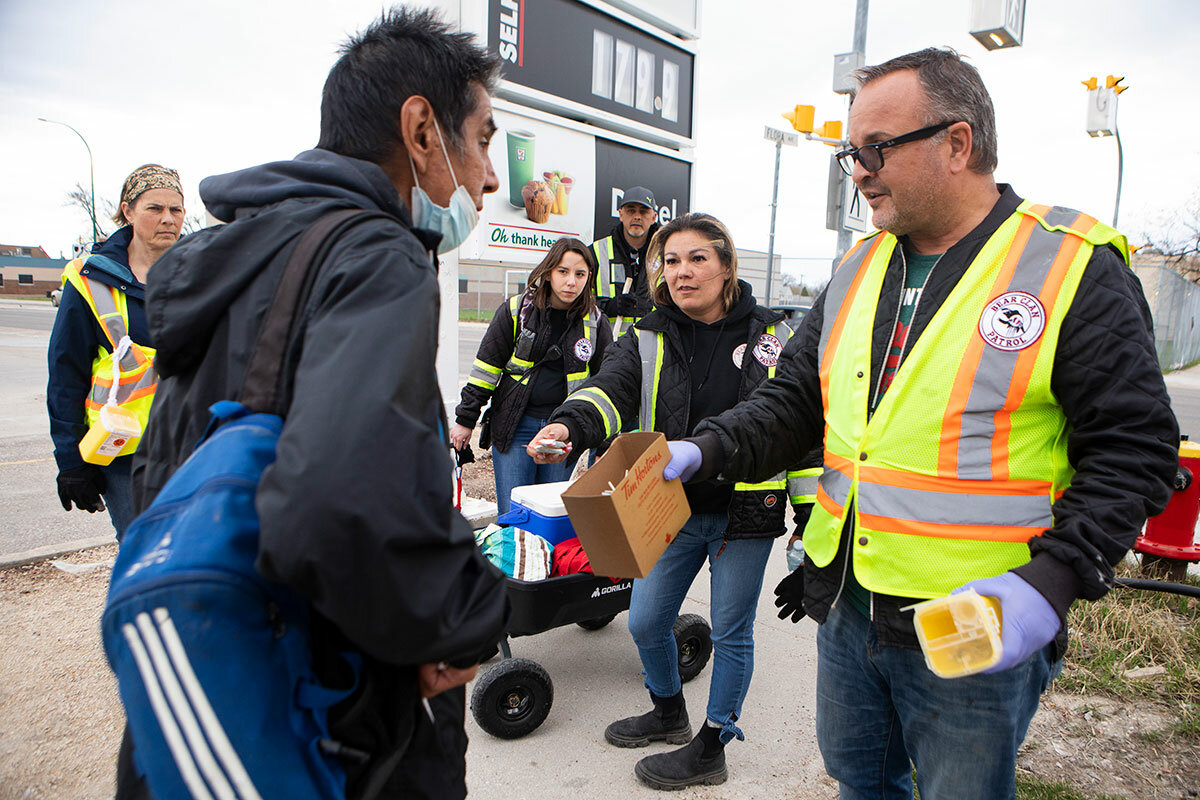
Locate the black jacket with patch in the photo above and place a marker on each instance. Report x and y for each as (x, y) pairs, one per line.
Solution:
(1123, 442)
(511, 396)
(751, 514)
(634, 263)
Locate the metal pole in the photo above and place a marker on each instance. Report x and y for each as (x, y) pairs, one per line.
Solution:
(771, 244)
(1120, 174)
(860, 47)
(91, 171)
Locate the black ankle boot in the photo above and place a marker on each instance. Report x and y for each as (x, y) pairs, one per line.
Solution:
(667, 722)
(700, 762)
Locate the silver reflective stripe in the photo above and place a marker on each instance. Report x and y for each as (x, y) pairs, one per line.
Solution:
(99, 394)
(485, 376)
(835, 485)
(956, 509)
(604, 278)
(602, 403)
(649, 343)
(993, 376)
(802, 485)
(111, 319)
(839, 287)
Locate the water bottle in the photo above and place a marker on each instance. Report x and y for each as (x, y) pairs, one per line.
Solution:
(795, 555)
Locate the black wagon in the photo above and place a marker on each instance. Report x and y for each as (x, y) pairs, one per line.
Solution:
(514, 696)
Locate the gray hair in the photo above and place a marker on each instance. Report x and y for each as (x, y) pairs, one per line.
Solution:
(955, 92)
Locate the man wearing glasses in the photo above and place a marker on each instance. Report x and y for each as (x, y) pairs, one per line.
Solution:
(983, 377)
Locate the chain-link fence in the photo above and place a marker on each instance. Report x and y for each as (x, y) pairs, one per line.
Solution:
(1175, 303)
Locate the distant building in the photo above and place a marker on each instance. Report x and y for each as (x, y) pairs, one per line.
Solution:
(20, 250)
(28, 271)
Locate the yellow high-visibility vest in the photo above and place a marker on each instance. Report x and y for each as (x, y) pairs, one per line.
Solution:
(963, 458)
(135, 390)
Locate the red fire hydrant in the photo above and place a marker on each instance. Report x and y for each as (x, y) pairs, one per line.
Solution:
(1168, 544)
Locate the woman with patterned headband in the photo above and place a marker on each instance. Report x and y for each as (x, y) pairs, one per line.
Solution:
(101, 320)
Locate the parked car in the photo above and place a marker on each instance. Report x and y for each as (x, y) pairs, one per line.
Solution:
(792, 314)
(55, 295)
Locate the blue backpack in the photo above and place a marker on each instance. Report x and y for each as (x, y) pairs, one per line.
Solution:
(213, 662)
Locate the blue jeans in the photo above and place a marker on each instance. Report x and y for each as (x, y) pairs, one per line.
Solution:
(118, 497)
(736, 579)
(880, 707)
(514, 467)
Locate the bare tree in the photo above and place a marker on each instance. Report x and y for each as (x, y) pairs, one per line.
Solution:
(192, 223)
(1178, 240)
(80, 197)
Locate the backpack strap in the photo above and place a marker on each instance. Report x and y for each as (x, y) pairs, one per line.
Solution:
(261, 389)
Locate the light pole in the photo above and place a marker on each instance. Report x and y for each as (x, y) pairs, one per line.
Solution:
(1102, 121)
(91, 171)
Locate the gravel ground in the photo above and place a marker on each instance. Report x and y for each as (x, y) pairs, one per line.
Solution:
(60, 719)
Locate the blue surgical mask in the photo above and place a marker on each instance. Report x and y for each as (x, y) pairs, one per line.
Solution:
(455, 222)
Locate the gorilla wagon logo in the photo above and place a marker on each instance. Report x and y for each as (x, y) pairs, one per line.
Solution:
(1012, 321)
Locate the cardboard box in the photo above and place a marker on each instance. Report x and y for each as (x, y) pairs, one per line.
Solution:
(624, 532)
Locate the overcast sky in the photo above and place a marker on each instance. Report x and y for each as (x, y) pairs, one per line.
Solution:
(216, 86)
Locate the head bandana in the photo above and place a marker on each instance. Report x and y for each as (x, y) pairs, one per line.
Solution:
(144, 178)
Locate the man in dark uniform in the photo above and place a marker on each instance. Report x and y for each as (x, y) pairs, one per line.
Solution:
(622, 279)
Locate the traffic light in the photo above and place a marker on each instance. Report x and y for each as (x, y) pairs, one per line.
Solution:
(1091, 83)
(831, 130)
(1114, 83)
(801, 118)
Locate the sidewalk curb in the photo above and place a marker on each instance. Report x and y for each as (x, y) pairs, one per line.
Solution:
(9, 560)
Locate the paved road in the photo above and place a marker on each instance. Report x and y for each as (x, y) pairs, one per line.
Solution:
(30, 515)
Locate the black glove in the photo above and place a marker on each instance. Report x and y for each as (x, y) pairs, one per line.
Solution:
(789, 595)
(464, 456)
(623, 305)
(82, 486)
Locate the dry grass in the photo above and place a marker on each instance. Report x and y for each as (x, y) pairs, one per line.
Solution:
(1132, 629)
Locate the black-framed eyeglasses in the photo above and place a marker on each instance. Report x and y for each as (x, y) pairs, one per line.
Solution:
(871, 155)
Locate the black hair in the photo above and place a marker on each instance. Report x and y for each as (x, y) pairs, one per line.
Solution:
(405, 52)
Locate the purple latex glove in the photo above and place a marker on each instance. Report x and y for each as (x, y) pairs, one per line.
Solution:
(1029, 621)
(685, 460)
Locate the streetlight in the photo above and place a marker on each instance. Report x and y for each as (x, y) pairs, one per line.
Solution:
(1102, 121)
(91, 171)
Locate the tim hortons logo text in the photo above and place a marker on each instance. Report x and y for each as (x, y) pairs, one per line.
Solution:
(1012, 321)
(640, 471)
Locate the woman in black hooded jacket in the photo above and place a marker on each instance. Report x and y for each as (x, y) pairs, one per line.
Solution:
(712, 345)
(540, 346)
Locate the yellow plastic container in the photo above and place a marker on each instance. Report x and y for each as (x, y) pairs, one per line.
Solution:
(959, 633)
(117, 429)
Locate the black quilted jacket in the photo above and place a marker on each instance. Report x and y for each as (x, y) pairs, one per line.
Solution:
(510, 397)
(751, 514)
(1123, 443)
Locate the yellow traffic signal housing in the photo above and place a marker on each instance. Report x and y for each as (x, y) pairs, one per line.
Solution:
(1114, 83)
(801, 118)
(1091, 84)
(831, 130)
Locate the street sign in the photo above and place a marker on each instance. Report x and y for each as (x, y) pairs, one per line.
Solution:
(784, 137)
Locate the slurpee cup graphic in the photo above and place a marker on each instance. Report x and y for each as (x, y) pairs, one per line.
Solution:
(521, 147)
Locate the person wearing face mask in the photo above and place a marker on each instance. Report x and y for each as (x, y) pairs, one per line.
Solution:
(356, 513)
(540, 345)
(101, 319)
(710, 345)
